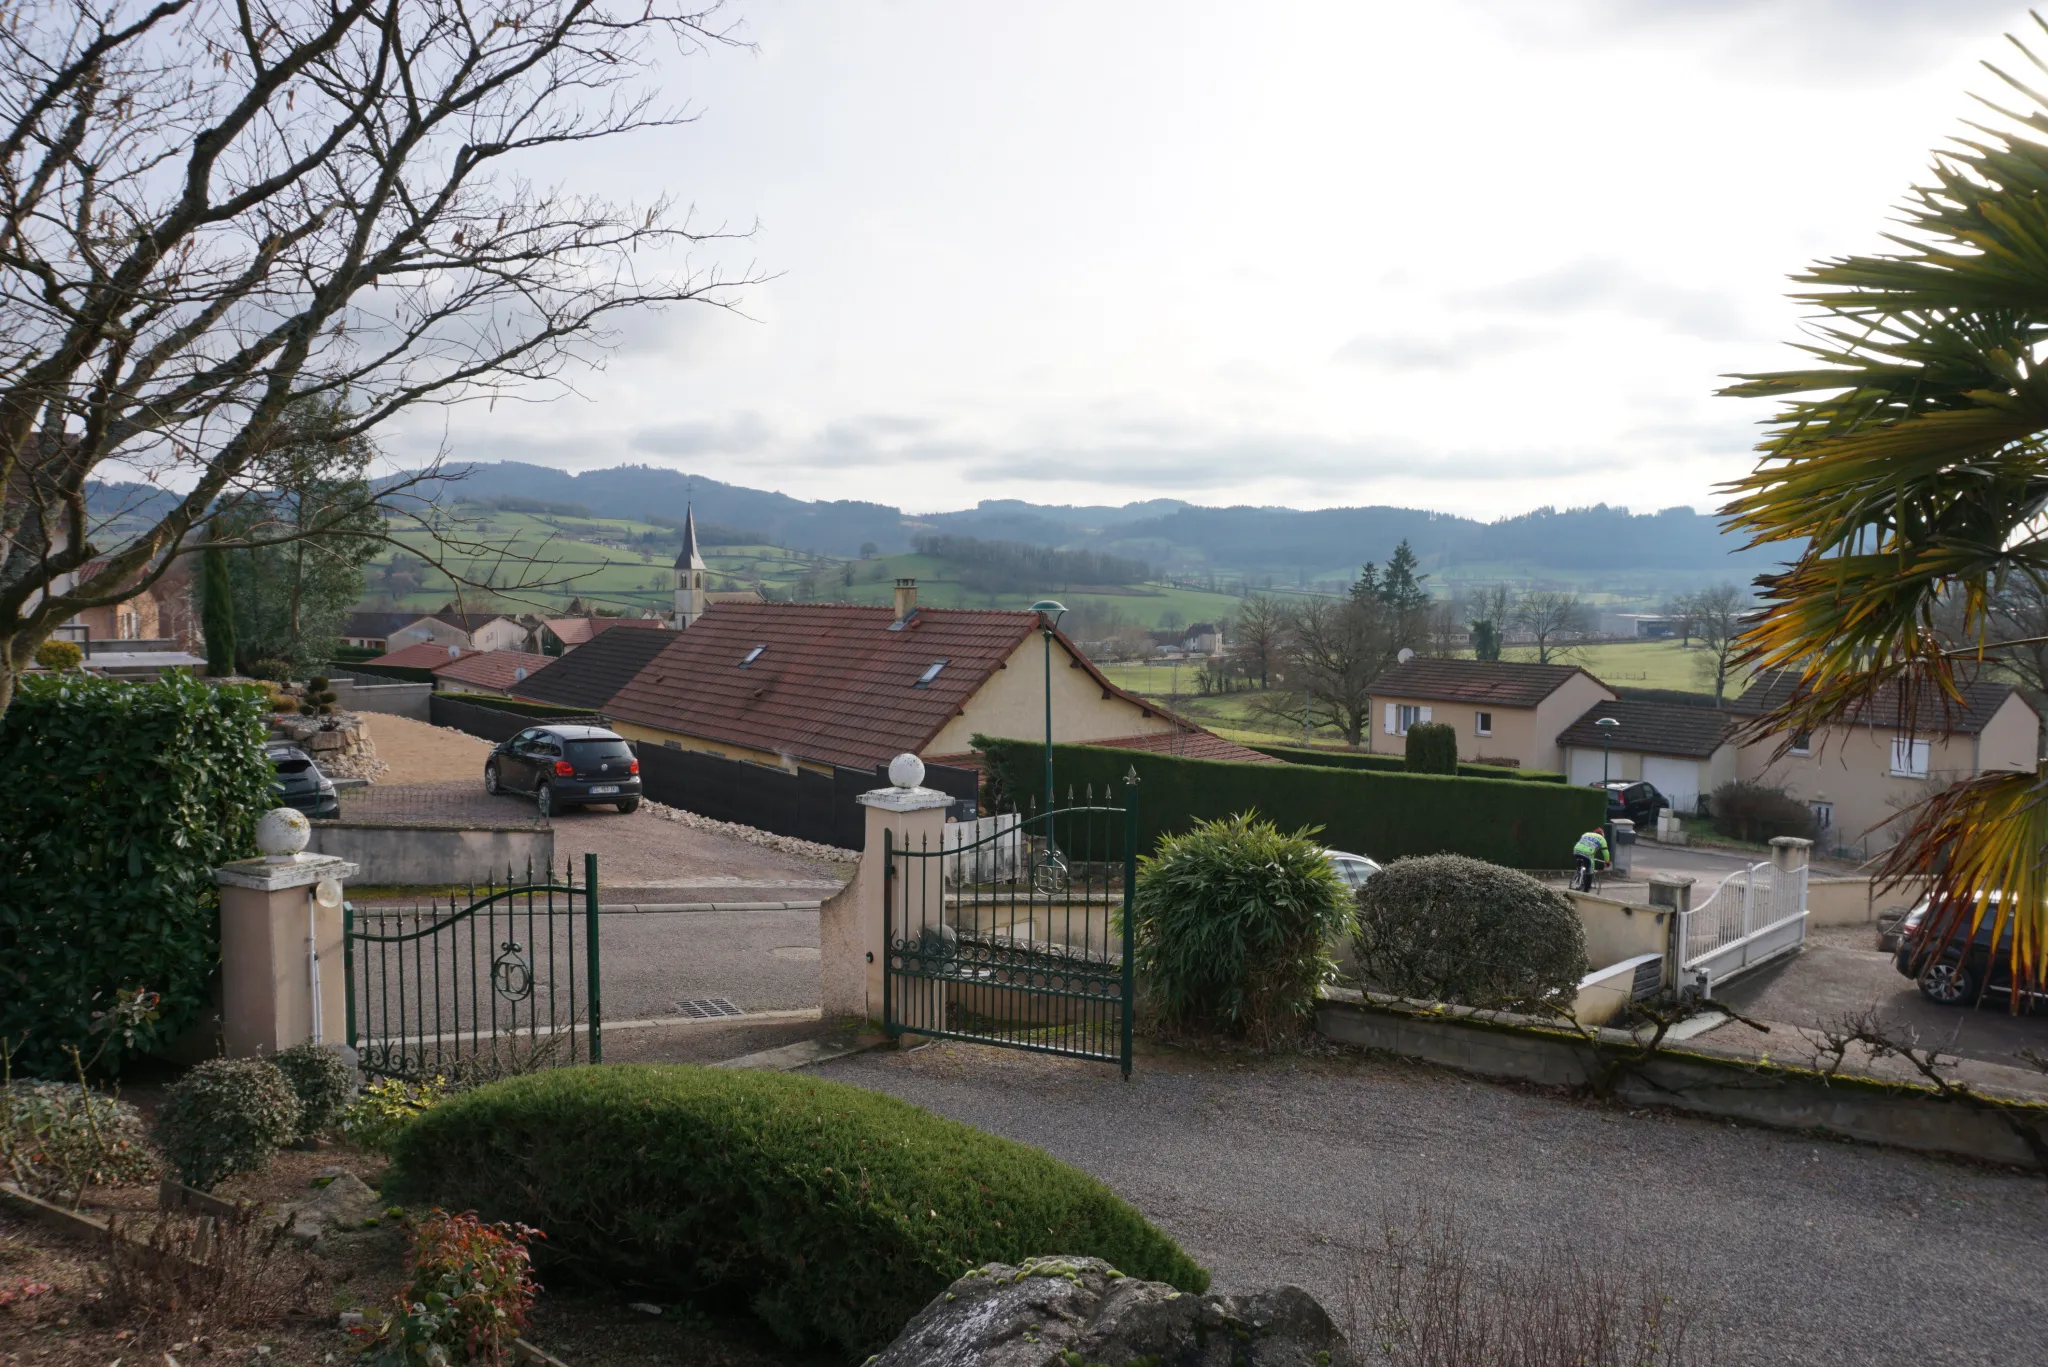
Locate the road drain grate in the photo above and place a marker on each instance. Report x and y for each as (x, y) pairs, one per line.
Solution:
(708, 1008)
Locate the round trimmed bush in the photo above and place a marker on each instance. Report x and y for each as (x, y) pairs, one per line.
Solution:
(59, 655)
(1447, 928)
(323, 1082)
(834, 1213)
(59, 1138)
(1233, 920)
(227, 1116)
(271, 671)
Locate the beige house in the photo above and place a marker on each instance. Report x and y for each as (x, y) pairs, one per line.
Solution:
(1504, 712)
(1681, 750)
(1857, 775)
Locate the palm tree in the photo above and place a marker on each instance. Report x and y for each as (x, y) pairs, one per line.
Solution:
(1907, 472)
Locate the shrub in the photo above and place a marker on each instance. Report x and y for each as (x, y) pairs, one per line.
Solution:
(227, 1116)
(59, 1138)
(323, 1082)
(320, 696)
(271, 671)
(1447, 928)
(1232, 921)
(117, 801)
(59, 655)
(1364, 759)
(833, 1212)
(471, 1291)
(1432, 748)
(383, 1109)
(1384, 815)
(1750, 811)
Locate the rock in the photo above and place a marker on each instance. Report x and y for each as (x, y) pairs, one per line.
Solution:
(1052, 1312)
(644, 1307)
(344, 1204)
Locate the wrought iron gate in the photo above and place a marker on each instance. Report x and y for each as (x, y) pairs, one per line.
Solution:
(1019, 936)
(498, 986)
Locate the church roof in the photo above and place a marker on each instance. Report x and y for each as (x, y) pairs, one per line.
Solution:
(689, 558)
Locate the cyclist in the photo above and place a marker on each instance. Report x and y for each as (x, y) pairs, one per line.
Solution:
(1591, 856)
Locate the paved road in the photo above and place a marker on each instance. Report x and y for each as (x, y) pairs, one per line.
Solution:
(1796, 1252)
(758, 960)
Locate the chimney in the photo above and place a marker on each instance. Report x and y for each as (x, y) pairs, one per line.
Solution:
(906, 598)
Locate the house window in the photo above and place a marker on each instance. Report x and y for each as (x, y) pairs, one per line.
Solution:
(1802, 744)
(1405, 717)
(931, 672)
(752, 656)
(1823, 815)
(1909, 757)
(1482, 723)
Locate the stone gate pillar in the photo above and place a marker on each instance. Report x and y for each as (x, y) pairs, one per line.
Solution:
(281, 971)
(850, 939)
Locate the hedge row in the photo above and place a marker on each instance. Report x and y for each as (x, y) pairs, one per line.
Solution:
(1381, 815)
(1359, 759)
(390, 673)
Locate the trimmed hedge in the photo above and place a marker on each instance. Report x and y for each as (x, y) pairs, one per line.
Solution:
(835, 1213)
(1450, 929)
(1432, 748)
(389, 673)
(1360, 759)
(117, 802)
(1382, 815)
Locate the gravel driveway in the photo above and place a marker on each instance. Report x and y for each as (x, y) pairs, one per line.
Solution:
(1793, 1251)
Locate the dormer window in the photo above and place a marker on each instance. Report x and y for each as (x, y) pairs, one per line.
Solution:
(931, 672)
(752, 656)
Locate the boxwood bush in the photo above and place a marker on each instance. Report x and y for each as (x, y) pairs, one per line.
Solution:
(117, 801)
(226, 1116)
(834, 1213)
(1446, 928)
(323, 1081)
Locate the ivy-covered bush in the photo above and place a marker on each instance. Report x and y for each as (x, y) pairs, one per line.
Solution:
(323, 1082)
(1432, 748)
(227, 1116)
(1447, 928)
(833, 1212)
(1233, 921)
(117, 801)
(59, 1138)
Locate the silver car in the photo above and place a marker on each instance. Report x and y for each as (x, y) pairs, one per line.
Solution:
(1354, 869)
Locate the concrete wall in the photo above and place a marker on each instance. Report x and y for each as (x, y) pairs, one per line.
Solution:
(362, 694)
(1694, 1077)
(415, 856)
(1616, 931)
(1851, 901)
(1606, 992)
(1012, 704)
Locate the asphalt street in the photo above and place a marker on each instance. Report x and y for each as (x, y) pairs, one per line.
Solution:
(757, 960)
(1790, 1251)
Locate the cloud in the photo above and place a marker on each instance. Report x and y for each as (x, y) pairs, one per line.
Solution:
(737, 435)
(1421, 353)
(1589, 285)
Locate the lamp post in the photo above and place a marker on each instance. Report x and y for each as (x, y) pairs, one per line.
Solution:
(1606, 725)
(1049, 614)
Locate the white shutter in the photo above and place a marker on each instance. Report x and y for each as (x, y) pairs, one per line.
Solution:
(1425, 714)
(1390, 719)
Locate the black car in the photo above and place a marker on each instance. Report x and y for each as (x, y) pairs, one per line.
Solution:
(298, 782)
(1638, 802)
(566, 766)
(1965, 967)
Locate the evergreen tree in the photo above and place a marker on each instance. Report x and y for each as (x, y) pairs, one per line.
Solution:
(217, 611)
(1486, 639)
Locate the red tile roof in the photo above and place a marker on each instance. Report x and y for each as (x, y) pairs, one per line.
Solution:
(1189, 745)
(493, 668)
(425, 655)
(1505, 683)
(574, 631)
(833, 684)
(1934, 713)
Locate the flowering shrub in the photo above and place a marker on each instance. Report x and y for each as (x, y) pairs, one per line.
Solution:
(471, 1289)
(383, 1109)
(58, 1138)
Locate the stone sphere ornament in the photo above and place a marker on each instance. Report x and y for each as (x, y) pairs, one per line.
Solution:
(282, 833)
(906, 771)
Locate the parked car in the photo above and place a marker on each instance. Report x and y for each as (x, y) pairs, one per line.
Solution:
(297, 781)
(1354, 869)
(1638, 802)
(566, 766)
(1965, 968)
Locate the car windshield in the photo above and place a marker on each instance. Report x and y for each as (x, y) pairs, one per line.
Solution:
(292, 764)
(591, 751)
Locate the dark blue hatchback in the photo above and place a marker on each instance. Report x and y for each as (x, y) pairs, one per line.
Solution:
(566, 766)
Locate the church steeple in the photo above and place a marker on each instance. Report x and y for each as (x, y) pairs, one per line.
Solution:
(690, 569)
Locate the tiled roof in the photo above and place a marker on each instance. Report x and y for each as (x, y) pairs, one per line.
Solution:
(590, 675)
(470, 621)
(600, 625)
(833, 684)
(1189, 745)
(1933, 712)
(574, 631)
(1505, 683)
(1651, 728)
(493, 668)
(376, 626)
(425, 655)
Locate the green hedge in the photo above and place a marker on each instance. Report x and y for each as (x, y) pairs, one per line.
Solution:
(518, 705)
(394, 673)
(834, 1213)
(117, 801)
(1381, 815)
(1360, 759)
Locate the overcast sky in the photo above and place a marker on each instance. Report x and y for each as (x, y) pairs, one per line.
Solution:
(1475, 257)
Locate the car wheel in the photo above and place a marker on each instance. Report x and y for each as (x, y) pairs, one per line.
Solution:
(630, 806)
(544, 800)
(492, 784)
(1948, 984)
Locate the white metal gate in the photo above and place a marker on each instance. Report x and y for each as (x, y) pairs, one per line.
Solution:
(1757, 914)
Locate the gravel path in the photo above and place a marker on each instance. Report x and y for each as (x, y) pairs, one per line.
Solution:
(419, 753)
(1794, 1251)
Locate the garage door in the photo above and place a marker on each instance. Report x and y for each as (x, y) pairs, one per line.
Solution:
(1585, 766)
(1677, 779)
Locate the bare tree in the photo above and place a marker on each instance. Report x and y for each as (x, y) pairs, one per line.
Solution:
(212, 210)
(1336, 650)
(1261, 630)
(1719, 615)
(1682, 611)
(1487, 615)
(1553, 620)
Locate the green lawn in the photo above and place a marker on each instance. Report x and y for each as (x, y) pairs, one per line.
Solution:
(1641, 664)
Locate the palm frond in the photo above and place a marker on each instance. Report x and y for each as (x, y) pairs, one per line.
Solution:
(1982, 844)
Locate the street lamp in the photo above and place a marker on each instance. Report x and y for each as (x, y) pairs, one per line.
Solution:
(1606, 725)
(1049, 614)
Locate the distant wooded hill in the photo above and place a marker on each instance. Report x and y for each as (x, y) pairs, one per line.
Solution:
(1171, 536)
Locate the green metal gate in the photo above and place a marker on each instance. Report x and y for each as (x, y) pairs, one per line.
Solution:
(1017, 933)
(505, 984)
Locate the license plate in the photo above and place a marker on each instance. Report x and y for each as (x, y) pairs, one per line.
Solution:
(603, 788)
